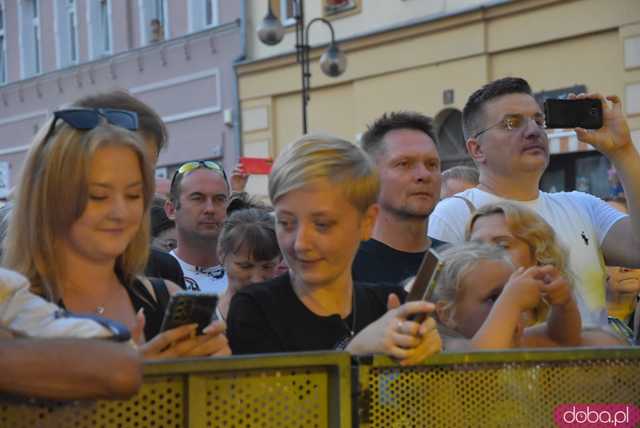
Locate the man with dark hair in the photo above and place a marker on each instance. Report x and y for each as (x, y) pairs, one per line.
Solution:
(154, 133)
(197, 204)
(403, 146)
(506, 138)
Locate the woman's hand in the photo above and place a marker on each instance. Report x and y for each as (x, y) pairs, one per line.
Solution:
(556, 288)
(524, 287)
(182, 341)
(395, 335)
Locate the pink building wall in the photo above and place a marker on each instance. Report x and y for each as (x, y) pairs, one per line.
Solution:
(188, 79)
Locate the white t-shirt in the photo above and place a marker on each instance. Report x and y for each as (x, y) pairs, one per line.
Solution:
(208, 280)
(581, 222)
(24, 312)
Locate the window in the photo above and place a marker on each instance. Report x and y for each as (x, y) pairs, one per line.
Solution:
(99, 20)
(66, 32)
(334, 7)
(154, 21)
(3, 50)
(30, 37)
(203, 14)
(288, 12)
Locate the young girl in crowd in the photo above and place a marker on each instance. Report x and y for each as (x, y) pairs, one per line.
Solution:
(525, 235)
(79, 230)
(324, 191)
(249, 252)
(530, 241)
(482, 297)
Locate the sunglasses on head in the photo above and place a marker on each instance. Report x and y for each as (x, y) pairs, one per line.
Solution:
(189, 167)
(86, 119)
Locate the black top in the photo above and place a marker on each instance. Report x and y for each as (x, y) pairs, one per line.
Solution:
(269, 317)
(377, 262)
(154, 308)
(164, 265)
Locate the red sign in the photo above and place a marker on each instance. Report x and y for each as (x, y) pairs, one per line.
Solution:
(257, 165)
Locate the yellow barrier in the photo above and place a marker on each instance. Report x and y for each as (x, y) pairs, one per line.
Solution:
(492, 389)
(303, 390)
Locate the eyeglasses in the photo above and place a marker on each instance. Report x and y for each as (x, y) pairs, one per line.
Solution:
(512, 122)
(85, 119)
(189, 167)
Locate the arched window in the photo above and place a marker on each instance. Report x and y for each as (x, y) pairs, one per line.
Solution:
(451, 142)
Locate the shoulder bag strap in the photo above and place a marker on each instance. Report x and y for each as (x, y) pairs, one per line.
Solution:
(470, 205)
(161, 292)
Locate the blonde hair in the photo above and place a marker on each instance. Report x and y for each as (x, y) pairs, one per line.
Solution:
(459, 261)
(53, 193)
(529, 227)
(319, 156)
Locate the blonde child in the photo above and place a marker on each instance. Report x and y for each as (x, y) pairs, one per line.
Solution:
(481, 297)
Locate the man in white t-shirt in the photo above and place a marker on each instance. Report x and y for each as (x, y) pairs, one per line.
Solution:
(197, 204)
(504, 127)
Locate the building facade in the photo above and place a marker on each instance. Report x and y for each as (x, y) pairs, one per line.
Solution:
(429, 57)
(177, 56)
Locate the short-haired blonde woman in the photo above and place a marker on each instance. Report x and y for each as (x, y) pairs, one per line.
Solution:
(79, 230)
(324, 191)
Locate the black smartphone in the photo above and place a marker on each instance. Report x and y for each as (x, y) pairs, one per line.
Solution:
(561, 113)
(425, 281)
(188, 307)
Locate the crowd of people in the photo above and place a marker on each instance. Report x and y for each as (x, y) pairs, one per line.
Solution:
(91, 253)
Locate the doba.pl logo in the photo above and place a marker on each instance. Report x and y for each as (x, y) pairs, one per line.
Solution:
(597, 415)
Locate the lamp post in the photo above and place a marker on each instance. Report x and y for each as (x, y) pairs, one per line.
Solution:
(332, 62)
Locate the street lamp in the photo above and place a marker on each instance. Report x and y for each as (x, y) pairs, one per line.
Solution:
(332, 62)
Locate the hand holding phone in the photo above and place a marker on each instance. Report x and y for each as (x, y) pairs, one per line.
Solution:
(188, 307)
(574, 113)
(425, 281)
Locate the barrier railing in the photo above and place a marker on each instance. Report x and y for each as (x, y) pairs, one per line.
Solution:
(303, 390)
(508, 388)
(494, 389)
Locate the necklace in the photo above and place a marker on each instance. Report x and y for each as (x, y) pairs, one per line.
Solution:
(353, 315)
(342, 343)
(100, 310)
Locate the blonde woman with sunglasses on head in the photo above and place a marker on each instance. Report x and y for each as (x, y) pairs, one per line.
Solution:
(80, 231)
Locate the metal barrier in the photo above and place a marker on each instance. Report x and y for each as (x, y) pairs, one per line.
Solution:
(301, 390)
(494, 389)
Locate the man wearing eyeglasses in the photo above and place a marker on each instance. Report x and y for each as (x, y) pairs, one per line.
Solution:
(197, 203)
(504, 127)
